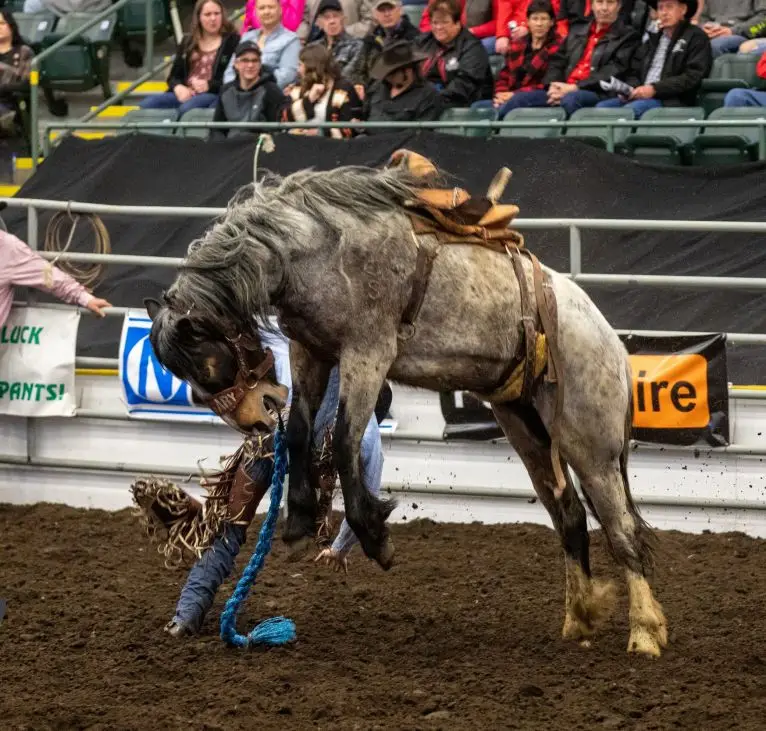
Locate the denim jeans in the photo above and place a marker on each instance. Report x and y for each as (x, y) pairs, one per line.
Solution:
(168, 100)
(745, 98)
(726, 44)
(210, 571)
(570, 103)
(639, 106)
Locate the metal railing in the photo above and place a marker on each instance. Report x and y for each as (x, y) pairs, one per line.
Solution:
(611, 125)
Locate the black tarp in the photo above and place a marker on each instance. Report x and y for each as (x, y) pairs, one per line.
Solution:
(550, 179)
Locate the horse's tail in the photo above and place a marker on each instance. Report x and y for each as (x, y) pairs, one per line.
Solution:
(646, 540)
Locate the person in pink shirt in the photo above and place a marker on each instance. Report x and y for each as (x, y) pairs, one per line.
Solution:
(20, 266)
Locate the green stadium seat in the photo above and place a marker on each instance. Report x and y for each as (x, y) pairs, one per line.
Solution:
(496, 63)
(598, 136)
(729, 71)
(538, 115)
(131, 21)
(15, 6)
(667, 144)
(149, 115)
(35, 26)
(414, 13)
(729, 145)
(464, 114)
(196, 115)
(82, 64)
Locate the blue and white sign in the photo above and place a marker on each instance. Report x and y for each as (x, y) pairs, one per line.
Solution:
(150, 391)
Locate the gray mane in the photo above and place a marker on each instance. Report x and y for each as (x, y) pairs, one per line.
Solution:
(229, 272)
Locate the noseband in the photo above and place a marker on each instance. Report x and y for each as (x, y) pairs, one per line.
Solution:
(225, 402)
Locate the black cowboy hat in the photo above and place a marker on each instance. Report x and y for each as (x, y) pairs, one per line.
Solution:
(396, 56)
(691, 6)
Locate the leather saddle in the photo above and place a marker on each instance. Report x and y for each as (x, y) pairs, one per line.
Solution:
(452, 215)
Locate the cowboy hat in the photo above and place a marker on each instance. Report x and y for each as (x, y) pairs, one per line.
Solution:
(691, 6)
(396, 56)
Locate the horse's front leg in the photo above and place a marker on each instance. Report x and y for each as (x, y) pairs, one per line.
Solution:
(361, 378)
(309, 382)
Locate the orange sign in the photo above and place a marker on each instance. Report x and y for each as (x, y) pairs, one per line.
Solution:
(670, 391)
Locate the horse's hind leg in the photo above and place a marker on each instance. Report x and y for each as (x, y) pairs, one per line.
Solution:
(588, 602)
(630, 541)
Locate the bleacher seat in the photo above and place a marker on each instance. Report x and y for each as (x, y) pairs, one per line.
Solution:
(729, 145)
(196, 115)
(496, 63)
(131, 21)
(82, 64)
(149, 115)
(668, 144)
(599, 136)
(414, 13)
(539, 115)
(35, 26)
(464, 114)
(730, 71)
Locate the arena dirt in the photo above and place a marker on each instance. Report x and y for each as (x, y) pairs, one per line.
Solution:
(462, 634)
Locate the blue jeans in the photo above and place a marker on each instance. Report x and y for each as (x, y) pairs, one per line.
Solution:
(570, 103)
(167, 100)
(745, 98)
(489, 44)
(726, 44)
(639, 106)
(207, 575)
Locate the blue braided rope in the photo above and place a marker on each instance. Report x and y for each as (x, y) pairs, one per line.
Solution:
(277, 630)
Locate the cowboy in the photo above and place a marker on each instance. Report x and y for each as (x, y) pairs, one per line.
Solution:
(216, 531)
(398, 93)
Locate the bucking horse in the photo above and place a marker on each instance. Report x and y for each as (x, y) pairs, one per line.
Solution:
(388, 275)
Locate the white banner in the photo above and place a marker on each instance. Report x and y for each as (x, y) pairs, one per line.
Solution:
(37, 355)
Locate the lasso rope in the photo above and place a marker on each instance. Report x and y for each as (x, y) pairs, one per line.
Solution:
(277, 630)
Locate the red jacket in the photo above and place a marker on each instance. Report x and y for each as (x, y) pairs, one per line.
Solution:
(517, 10)
(760, 69)
(486, 30)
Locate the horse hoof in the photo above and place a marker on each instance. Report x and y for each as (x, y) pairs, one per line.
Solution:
(298, 549)
(643, 642)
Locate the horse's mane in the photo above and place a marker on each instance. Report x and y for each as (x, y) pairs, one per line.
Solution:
(223, 275)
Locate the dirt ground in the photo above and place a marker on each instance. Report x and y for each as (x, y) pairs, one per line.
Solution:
(463, 633)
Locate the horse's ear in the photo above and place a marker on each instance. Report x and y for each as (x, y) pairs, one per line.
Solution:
(152, 307)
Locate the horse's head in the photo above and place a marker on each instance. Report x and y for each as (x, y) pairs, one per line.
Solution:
(231, 372)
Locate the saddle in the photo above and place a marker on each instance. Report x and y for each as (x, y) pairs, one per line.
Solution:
(453, 216)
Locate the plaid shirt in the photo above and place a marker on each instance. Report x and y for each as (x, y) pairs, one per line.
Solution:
(658, 62)
(515, 76)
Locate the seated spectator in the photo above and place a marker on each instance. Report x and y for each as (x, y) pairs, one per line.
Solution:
(357, 15)
(252, 97)
(748, 97)
(279, 46)
(577, 12)
(196, 74)
(398, 93)
(457, 64)
(590, 54)
(292, 15)
(345, 49)
(527, 60)
(390, 25)
(321, 95)
(668, 68)
(15, 64)
(479, 16)
(513, 23)
(729, 24)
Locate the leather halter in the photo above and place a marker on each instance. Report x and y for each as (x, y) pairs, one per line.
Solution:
(225, 402)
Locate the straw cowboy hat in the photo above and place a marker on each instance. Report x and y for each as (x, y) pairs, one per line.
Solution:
(396, 56)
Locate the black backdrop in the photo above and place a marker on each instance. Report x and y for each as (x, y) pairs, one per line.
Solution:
(550, 179)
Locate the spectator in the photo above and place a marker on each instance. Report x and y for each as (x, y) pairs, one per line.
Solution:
(513, 23)
(357, 15)
(390, 25)
(668, 68)
(479, 16)
(252, 97)
(527, 60)
(590, 54)
(748, 97)
(322, 95)
(292, 14)
(345, 49)
(15, 64)
(457, 64)
(22, 267)
(730, 23)
(195, 77)
(577, 12)
(279, 46)
(398, 93)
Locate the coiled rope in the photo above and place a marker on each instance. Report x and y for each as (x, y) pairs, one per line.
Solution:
(86, 274)
(277, 630)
